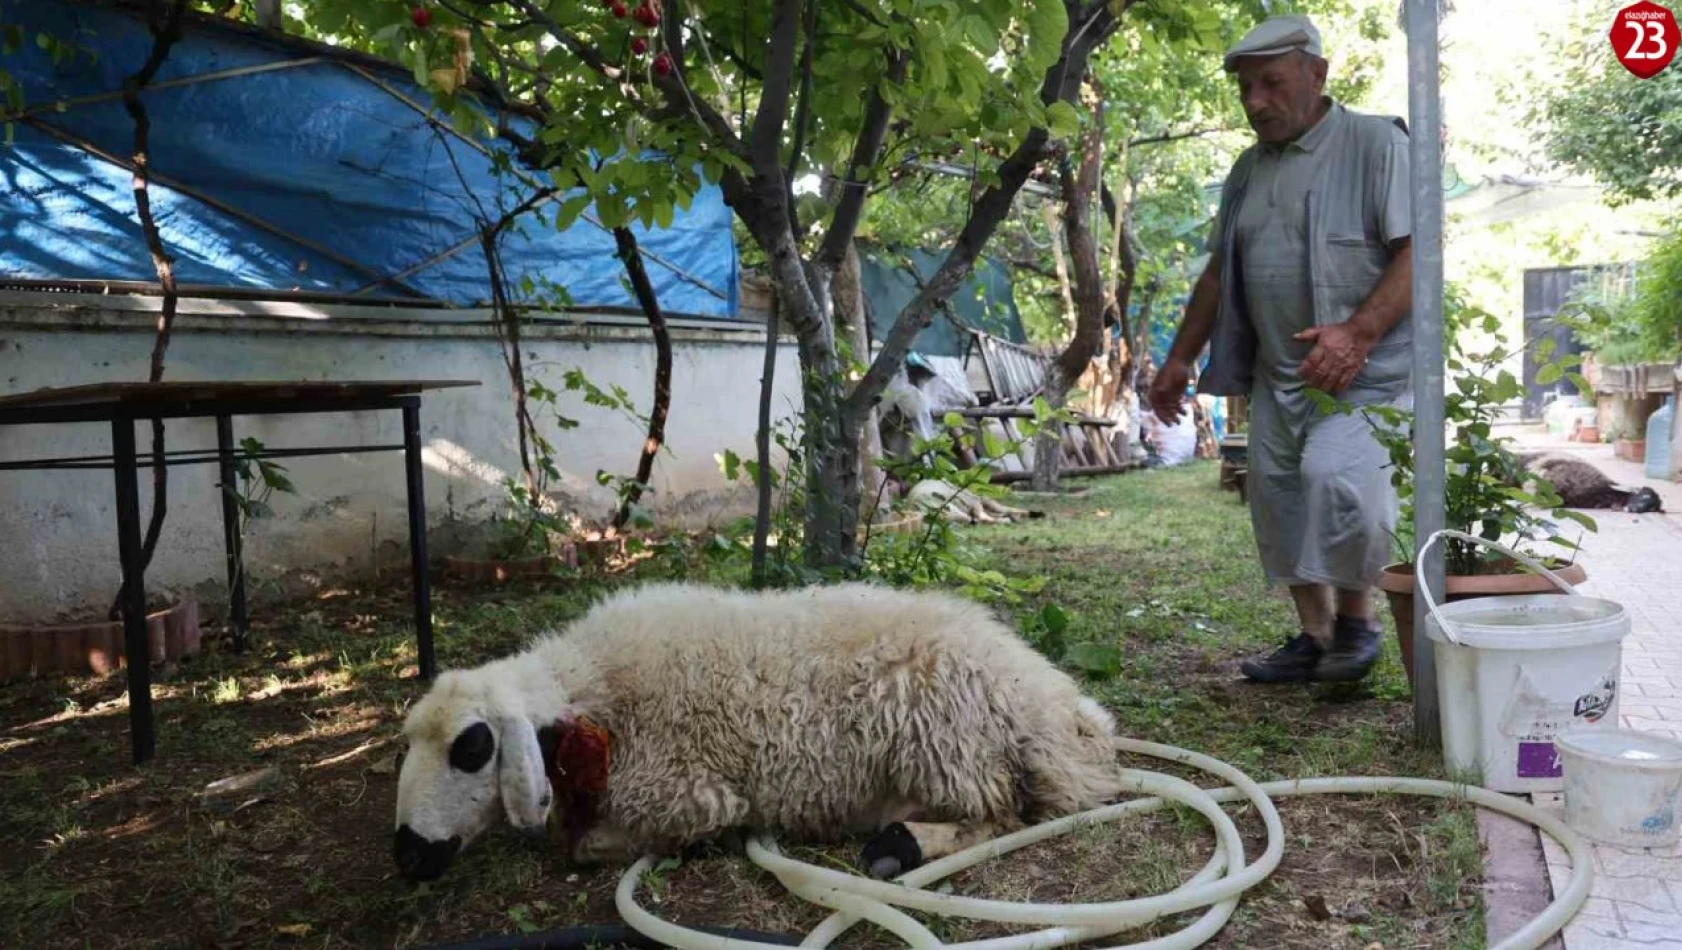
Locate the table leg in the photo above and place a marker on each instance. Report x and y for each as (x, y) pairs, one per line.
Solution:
(135, 645)
(417, 541)
(230, 532)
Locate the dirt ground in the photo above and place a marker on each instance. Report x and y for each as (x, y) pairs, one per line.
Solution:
(101, 853)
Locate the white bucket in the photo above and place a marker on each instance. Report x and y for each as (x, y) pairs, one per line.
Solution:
(1514, 672)
(1621, 786)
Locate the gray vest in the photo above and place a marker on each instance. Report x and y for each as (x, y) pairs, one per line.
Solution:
(1345, 262)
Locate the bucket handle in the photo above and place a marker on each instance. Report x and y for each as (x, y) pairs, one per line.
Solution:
(1425, 589)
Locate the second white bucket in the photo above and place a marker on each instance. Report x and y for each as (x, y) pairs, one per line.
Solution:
(1514, 672)
(1621, 786)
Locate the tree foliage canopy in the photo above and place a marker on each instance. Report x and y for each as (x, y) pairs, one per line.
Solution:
(1598, 120)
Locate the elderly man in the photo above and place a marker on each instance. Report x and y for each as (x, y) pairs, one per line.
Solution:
(1308, 287)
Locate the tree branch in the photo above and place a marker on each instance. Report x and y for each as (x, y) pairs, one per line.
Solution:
(765, 143)
(866, 150)
(626, 243)
(586, 53)
(1078, 187)
(748, 69)
(868, 17)
(165, 26)
(1174, 137)
(1062, 82)
(802, 114)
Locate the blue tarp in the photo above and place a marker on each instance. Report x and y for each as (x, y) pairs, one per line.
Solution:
(334, 165)
(982, 302)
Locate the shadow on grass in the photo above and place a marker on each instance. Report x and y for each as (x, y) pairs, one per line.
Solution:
(1160, 564)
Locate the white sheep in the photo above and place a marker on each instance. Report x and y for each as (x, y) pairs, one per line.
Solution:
(815, 714)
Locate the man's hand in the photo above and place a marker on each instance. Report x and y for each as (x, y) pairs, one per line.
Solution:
(1168, 390)
(1340, 350)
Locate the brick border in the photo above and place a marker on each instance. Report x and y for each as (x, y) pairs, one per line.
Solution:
(1516, 888)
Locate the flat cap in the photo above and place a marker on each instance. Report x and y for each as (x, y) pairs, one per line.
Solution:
(1276, 35)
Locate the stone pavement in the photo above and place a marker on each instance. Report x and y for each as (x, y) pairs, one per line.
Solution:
(1636, 901)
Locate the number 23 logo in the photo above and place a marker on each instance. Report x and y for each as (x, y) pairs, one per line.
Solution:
(1655, 32)
(1644, 37)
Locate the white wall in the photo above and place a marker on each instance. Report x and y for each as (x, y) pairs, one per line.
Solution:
(57, 529)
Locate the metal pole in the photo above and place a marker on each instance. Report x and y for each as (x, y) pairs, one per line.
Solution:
(1425, 159)
(230, 532)
(137, 648)
(417, 538)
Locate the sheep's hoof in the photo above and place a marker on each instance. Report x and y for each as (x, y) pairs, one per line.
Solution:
(892, 852)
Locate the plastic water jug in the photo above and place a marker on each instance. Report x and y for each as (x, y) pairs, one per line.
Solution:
(1658, 440)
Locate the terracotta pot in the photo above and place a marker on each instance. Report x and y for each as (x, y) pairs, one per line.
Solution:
(82, 648)
(1398, 585)
(1631, 450)
(1588, 433)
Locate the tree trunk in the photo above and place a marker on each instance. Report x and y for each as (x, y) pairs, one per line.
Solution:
(650, 303)
(1054, 227)
(853, 326)
(1129, 255)
(833, 487)
(1089, 298)
(762, 443)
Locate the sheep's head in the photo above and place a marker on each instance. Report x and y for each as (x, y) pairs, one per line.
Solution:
(1644, 500)
(472, 752)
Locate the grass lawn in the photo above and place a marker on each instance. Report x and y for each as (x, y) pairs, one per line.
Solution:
(1160, 564)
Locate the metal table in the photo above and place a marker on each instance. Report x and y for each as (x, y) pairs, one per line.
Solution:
(124, 404)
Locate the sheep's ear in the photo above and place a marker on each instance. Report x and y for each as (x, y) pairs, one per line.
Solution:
(525, 783)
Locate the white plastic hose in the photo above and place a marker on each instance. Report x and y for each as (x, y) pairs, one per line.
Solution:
(1218, 886)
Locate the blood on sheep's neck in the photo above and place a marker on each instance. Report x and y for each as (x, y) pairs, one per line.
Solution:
(576, 758)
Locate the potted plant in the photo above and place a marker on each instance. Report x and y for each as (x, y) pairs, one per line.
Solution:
(1629, 443)
(1488, 493)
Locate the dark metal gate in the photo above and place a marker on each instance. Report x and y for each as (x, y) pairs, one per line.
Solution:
(1546, 290)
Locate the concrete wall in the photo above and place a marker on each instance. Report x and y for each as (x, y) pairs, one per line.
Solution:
(57, 529)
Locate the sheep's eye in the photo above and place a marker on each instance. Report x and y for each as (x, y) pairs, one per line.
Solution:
(472, 748)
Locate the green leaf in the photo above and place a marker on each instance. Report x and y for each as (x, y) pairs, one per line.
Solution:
(1578, 517)
(982, 34)
(731, 464)
(1054, 617)
(420, 69)
(1064, 121)
(1047, 24)
(567, 214)
(1098, 660)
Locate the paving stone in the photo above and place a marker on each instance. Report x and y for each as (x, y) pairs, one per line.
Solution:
(1637, 895)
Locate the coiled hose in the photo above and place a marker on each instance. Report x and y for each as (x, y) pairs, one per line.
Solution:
(1217, 887)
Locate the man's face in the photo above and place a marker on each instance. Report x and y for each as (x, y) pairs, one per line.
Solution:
(1280, 94)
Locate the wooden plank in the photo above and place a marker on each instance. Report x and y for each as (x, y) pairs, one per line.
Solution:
(1104, 452)
(1006, 478)
(1023, 412)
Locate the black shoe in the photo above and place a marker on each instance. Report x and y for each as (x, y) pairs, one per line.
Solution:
(1292, 663)
(1355, 648)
